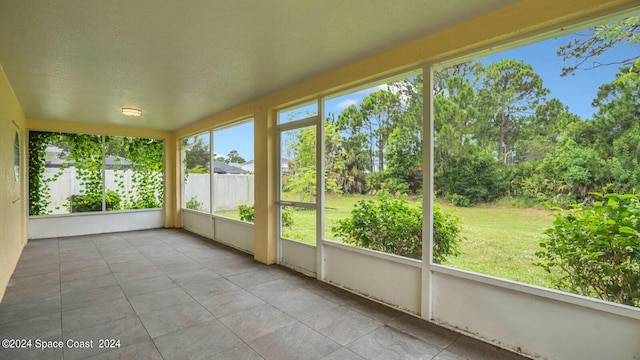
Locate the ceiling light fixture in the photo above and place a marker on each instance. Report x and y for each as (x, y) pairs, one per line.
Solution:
(131, 111)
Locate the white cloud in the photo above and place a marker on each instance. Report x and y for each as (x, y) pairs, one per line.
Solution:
(370, 90)
(346, 103)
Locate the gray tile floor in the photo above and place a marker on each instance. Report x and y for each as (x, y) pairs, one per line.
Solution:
(169, 294)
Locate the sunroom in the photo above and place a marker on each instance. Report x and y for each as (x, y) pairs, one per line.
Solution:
(266, 143)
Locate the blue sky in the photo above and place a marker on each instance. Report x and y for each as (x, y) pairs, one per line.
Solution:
(575, 91)
(238, 137)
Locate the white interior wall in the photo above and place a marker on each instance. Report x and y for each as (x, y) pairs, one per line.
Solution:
(234, 233)
(298, 256)
(51, 226)
(540, 326)
(387, 278)
(197, 222)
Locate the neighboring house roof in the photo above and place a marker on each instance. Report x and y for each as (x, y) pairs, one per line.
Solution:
(248, 166)
(110, 162)
(221, 168)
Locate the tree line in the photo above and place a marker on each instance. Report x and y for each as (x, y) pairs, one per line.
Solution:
(198, 157)
(496, 133)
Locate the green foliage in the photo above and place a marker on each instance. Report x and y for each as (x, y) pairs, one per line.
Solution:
(527, 182)
(596, 251)
(199, 170)
(446, 235)
(194, 204)
(630, 74)
(197, 154)
(598, 40)
(301, 148)
(84, 153)
(625, 166)
(287, 216)
(350, 151)
(145, 158)
(247, 214)
(91, 202)
(234, 157)
(473, 174)
(39, 195)
(376, 181)
(509, 90)
(404, 161)
(394, 225)
(574, 170)
(379, 113)
(459, 200)
(456, 108)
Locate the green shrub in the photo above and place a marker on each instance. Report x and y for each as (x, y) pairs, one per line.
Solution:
(247, 214)
(87, 203)
(194, 204)
(596, 251)
(474, 173)
(394, 225)
(287, 216)
(460, 200)
(446, 234)
(375, 181)
(198, 169)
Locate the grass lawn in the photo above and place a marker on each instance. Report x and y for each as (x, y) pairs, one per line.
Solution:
(500, 240)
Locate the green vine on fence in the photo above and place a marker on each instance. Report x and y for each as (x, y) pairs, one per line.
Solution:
(144, 158)
(84, 152)
(39, 196)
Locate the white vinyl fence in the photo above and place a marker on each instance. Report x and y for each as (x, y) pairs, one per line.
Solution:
(230, 190)
(67, 184)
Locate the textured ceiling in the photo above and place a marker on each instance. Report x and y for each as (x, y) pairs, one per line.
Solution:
(182, 61)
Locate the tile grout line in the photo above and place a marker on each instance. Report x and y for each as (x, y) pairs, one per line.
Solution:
(265, 303)
(207, 310)
(446, 347)
(60, 283)
(128, 301)
(297, 321)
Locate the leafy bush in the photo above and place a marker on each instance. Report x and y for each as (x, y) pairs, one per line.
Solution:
(596, 251)
(446, 234)
(198, 169)
(398, 186)
(287, 216)
(459, 200)
(394, 225)
(87, 203)
(474, 173)
(194, 204)
(375, 181)
(247, 214)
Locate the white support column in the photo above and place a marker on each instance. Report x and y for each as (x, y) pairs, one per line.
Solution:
(104, 174)
(278, 193)
(320, 191)
(427, 186)
(212, 185)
